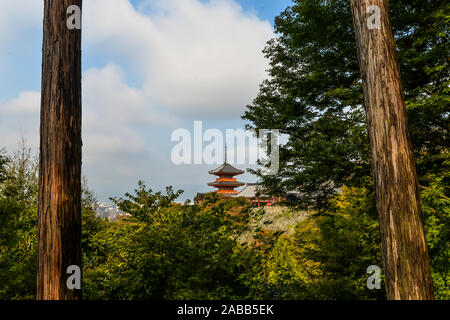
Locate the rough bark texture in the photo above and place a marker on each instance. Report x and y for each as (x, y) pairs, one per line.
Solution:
(404, 248)
(59, 216)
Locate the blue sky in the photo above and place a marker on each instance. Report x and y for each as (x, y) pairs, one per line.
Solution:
(265, 9)
(149, 67)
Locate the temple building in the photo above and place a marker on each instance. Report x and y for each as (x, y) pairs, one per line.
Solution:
(225, 181)
(254, 194)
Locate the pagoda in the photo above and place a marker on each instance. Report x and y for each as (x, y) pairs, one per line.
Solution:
(225, 181)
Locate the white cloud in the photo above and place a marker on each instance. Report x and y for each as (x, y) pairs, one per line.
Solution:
(109, 98)
(194, 57)
(183, 57)
(20, 117)
(110, 110)
(27, 102)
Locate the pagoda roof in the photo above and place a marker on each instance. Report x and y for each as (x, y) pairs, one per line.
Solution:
(226, 184)
(250, 190)
(226, 169)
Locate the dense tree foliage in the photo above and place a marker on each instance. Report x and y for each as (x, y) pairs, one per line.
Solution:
(213, 250)
(18, 225)
(436, 208)
(345, 240)
(167, 250)
(314, 94)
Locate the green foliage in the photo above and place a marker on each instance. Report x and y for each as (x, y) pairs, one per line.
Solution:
(314, 97)
(327, 256)
(167, 250)
(436, 209)
(144, 205)
(18, 220)
(344, 241)
(314, 93)
(283, 271)
(91, 224)
(18, 224)
(164, 250)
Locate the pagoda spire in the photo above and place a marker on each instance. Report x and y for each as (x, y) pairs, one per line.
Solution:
(225, 181)
(225, 153)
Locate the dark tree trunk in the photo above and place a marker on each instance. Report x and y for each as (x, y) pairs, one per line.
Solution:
(59, 216)
(404, 248)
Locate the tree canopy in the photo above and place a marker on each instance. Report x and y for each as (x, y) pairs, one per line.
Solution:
(314, 93)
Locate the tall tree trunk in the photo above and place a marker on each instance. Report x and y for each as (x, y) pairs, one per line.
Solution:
(403, 244)
(59, 216)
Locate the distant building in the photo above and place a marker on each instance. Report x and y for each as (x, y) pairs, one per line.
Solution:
(108, 211)
(199, 197)
(225, 181)
(253, 193)
(226, 184)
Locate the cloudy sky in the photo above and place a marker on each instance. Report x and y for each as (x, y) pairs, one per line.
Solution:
(149, 67)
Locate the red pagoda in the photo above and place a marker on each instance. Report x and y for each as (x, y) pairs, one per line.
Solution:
(225, 182)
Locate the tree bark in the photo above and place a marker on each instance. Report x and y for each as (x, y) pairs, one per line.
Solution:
(403, 244)
(59, 214)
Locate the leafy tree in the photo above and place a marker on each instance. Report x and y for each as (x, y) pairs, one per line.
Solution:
(344, 240)
(145, 204)
(167, 250)
(326, 257)
(436, 208)
(314, 97)
(91, 225)
(283, 271)
(314, 93)
(18, 218)
(18, 224)
(161, 249)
